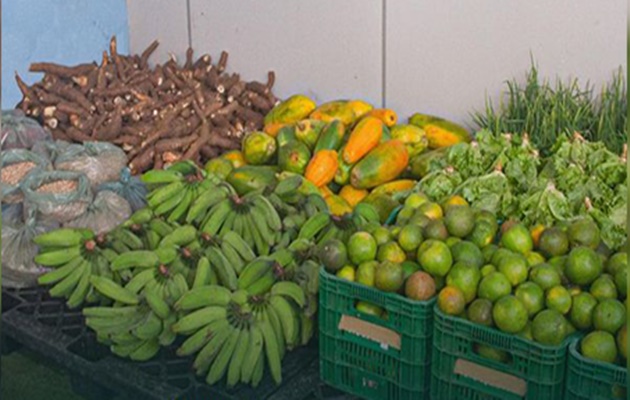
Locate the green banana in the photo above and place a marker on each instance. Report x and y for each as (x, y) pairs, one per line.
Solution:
(183, 206)
(196, 319)
(272, 351)
(219, 366)
(198, 340)
(78, 295)
(140, 217)
(243, 249)
(262, 245)
(163, 194)
(167, 337)
(204, 202)
(137, 258)
(260, 223)
(160, 227)
(262, 285)
(112, 326)
(254, 353)
(124, 338)
(180, 236)
(68, 284)
(64, 237)
(150, 328)
(58, 257)
(111, 289)
(314, 225)
(226, 273)
(129, 238)
(287, 318)
(255, 270)
(157, 304)
(125, 349)
(227, 224)
(119, 247)
(236, 363)
(202, 273)
(139, 281)
(306, 329)
(232, 256)
(258, 372)
(110, 312)
(272, 316)
(152, 240)
(283, 257)
(59, 273)
(216, 217)
(207, 355)
(146, 351)
(161, 176)
(267, 209)
(166, 254)
(204, 296)
(170, 204)
(290, 290)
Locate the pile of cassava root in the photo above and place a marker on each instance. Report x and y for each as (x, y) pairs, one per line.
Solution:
(157, 115)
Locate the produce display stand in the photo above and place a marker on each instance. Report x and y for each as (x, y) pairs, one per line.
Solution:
(30, 317)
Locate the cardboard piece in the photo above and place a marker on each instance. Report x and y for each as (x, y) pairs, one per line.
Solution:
(384, 336)
(491, 377)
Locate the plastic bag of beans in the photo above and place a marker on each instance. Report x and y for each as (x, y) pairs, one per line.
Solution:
(17, 165)
(106, 212)
(20, 132)
(59, 196)
(131, 188)
(18, 249)
(50, 149)
(101, 162)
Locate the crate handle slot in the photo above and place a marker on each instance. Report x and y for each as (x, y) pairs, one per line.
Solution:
(491, 377)
(385, 337)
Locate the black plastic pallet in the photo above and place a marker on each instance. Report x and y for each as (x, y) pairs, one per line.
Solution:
(30, 317)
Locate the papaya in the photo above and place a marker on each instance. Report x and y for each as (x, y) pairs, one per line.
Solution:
(258, 148)
(414, 138)
(322, 167)
(386, 115)
(293, 109)
(219, 166)
(325, 191)
(387, 135)
(273, 129)
(342, 176)
(235, 157)
(351, 195)
(381, 165)
(383, 204)
(364, 137)
(331, 136)
(360, 108)
(286, 135)
(338, 109)
(294, 157)
(337, 205)
(440, 132)
(420, 165)
(307, 131)
(250, 177)
(390, 188)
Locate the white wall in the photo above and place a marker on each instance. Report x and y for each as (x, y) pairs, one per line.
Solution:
(435, 56)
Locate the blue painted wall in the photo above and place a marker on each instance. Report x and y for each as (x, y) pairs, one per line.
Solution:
(63, 31)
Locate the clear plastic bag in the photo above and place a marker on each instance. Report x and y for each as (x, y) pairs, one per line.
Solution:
(20, 131)
(17, 165)
(60, 206)
(129, 187)
(106, 212)
(18, 250)
(101, 162)
(51, 149)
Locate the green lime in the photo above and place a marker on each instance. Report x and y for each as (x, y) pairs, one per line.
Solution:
(369, 308)
(545, 275)
(532, 297)
(480, 312)
(609, 315)
(487, 270)
(494, 286)
(582, 311)
(553, 242)
(584, 232)
(466, 277)
(451, 300)
(603, 288)
(391, 251)
(435, 257)
(549, 327)
(599, 345)
(617, 261)
(389, 276)
(459, 220)
(468, 252)
(558, 298)
(488, 252)
(509, 314)
(348, 273)
(381, 235)
(583, 266)
(514, 267)
(365, 273)
(410, 237)
(518, 239)
(361, 247)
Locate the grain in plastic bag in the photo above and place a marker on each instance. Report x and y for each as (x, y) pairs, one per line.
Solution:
(59, 196)
(106, 212)
(18, 250)
(20, 132)
(131, 188)
(51, 149)
(100, 161)
(17, 165)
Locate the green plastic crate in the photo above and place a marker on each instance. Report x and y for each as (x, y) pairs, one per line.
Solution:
(533, 371)
(363, 366)
(593, 380)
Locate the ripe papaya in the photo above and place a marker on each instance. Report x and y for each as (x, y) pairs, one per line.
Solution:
(325, 192)
(388, 116)
(337, 205)
(235, 157)
(381, 165)
(322, 167)
(294, 157)
(338, 109)
(258, 148)
(251, 177)
(307, 131)
(285, 135)
(420, 165)
(351, 195)
(440, 132)
(414, 138)
(360, 108)
(342, 176)
(390, 188)
(331, 136)
(273, 129)
(293, 109)
(365, 136)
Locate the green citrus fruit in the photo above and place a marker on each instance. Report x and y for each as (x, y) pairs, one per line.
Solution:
(468, 252)
(333, 254)
(518, 239)
(452, 241)
(584, 232)
(499, 255)
(553, 242)
(459, 220)
(415, 200)
(409, 267)
(381, 235)
(219, 167)
(435, 229)
(532, 297)
(369, 308)
(435, 257)
(466, 277)
(404, 215)
(391, 251)
(545, 275)
(603, 288)
(609, 315)
(494, 286)
(616, 262)
(622, 341)
(599, 345)
(549, 327)
(558, 298)
(348, 273)
(491, 353)
(410, 237)
(483, 233)
(509, 314)
(621, 280)
(420, 220)
(488, 252)
(583, 266)
(480, 312)
(487, 270)
(527, 332)
(451, 300)
(514, 267)
(534, 259)
(581, 315)
(361, 247)
(365, 273)
(389, 276)
(431, 210)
